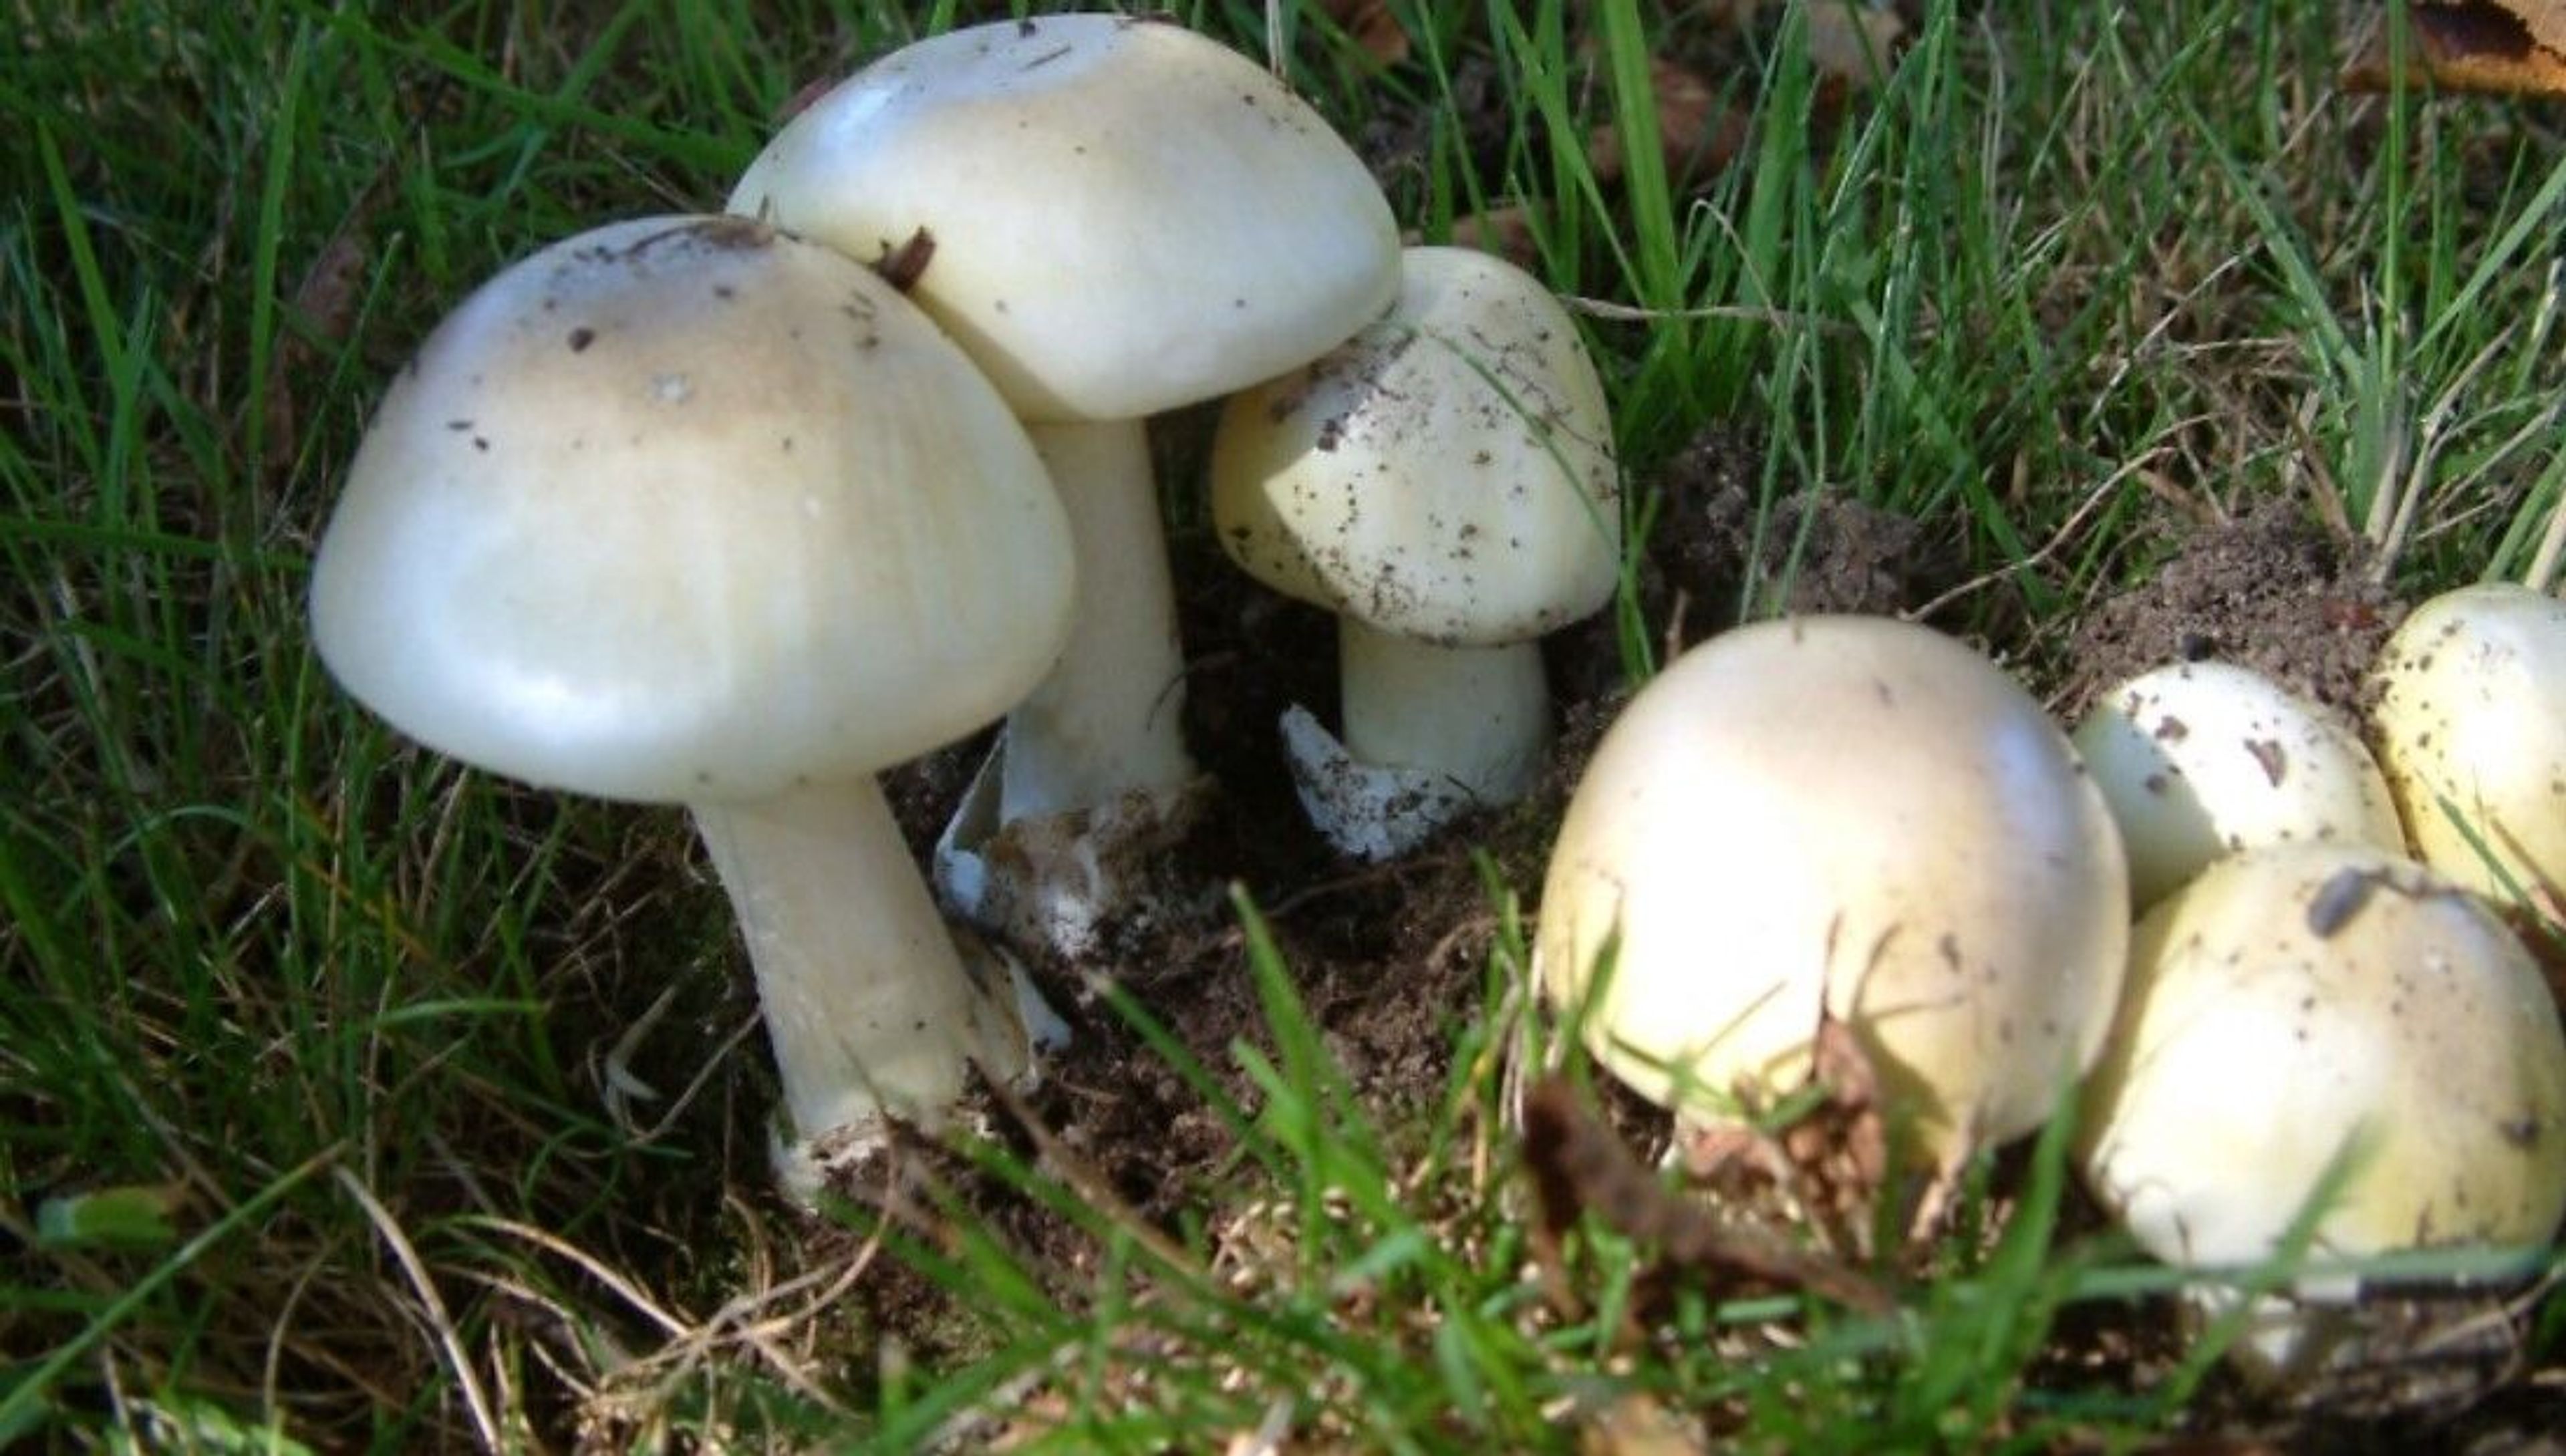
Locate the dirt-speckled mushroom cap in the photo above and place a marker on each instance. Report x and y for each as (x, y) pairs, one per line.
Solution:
(1845, 817)
(685, 509)
(1446, 474)
(2471, 710)
(1126, 216)
(2203, 759)
(2295, 997)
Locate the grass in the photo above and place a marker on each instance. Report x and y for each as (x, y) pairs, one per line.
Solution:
(304, 1138)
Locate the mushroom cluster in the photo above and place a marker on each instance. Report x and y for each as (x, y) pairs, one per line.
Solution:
(1857, 823)
(2328, 1024)
(1117, 216)
(735, 511)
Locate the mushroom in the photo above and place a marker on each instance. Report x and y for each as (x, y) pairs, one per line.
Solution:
(1118, 217)
(2303, 1013)
(1445, 483)
(1848, 820)
(686, 510)
(2202, 759)
(2470, 728)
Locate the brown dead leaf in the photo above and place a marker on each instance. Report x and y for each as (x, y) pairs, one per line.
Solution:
(2544, 19)
(1505, 231)
(1850, 43)
(1697, 132)
(322, 311)
(1578, 1166)
(2484, 46)
(1829, 1167)
(1374, 27)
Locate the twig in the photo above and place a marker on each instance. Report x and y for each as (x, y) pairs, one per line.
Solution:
(1578, 1166)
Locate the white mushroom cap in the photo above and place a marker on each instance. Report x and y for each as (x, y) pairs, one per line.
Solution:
(2202, 758)
(685, 509)
(1445, 475)
(1126, 216)
(2294, 1000)
(1847, 817)
(2473, 711)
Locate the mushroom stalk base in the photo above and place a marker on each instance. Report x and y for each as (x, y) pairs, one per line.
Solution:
(869, 1005)
(1108, 721)
(1478, 717)
(1060, 882)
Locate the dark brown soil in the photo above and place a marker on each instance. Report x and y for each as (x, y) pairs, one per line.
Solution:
(2268, 590)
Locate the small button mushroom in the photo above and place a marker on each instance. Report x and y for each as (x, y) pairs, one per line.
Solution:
(2299, 1004)
(684, 510)
(1444, 482)
(2470, 728)
(1118, 217)
(1851, 818)
(2202, 759)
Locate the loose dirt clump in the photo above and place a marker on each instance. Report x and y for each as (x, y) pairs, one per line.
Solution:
(2266, 589)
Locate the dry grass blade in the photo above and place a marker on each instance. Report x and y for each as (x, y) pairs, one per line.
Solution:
(467, 1380)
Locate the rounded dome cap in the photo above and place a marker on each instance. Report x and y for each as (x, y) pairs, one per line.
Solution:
(2472, 711)
(2202, 759)
(2298, 997)
(1446, 474)
(1126, 216)
(1840, 817)
(688, 509)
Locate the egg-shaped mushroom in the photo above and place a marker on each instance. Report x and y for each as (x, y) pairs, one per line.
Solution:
(2307, 1018)
(1444, 482)
(2203, 759)
(1848, 819)
(2470, 728)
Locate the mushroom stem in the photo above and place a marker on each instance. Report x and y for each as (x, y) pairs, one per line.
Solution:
(868, 1004)
(1107, 721)
(1479, 715)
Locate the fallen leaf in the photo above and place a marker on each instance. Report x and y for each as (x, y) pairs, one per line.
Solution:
(2512, 47)
(1505, 231)
(1849, 42)
(1374, 27)
(2544, 19)
(320, 312)
(1698, 133)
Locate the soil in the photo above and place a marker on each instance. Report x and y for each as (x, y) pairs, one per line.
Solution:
(2265, 590)
(1390, 959)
